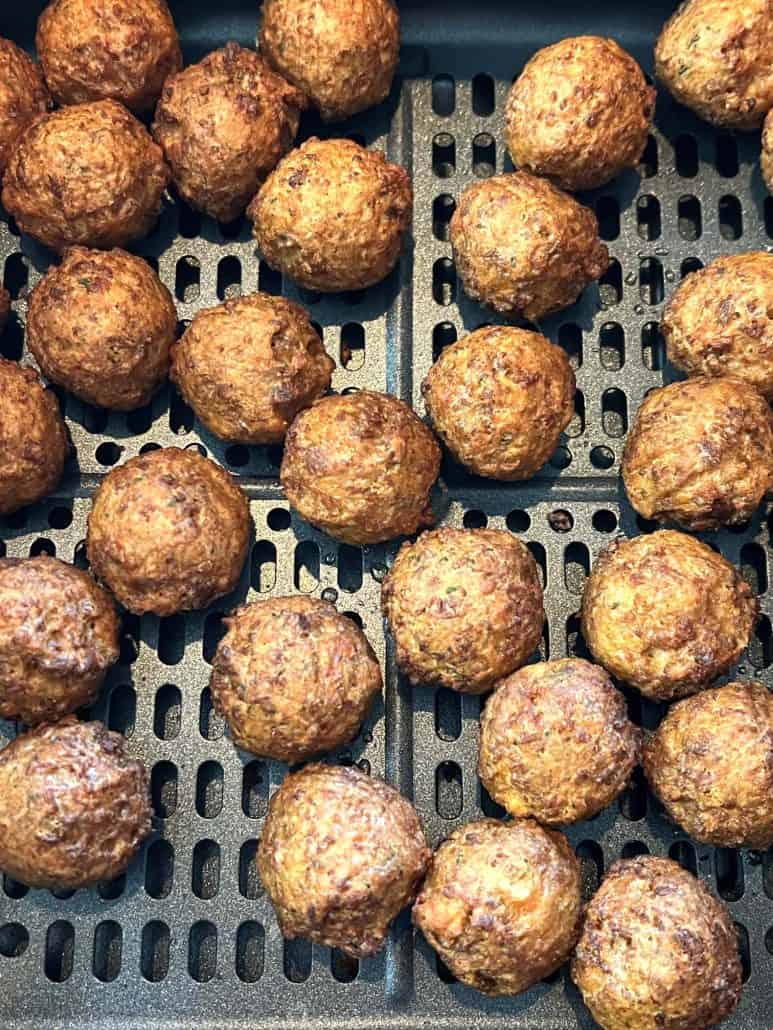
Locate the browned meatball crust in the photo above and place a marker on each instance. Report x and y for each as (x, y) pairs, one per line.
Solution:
(360, 466)
(657, 950)
(88, 174)
(501, 904)
(523, 247)
(332, 215)
(23, 96)
(247, 367)
(579, 113)
(101, 324)
(666, 614)
(766, 157)
(340, 856)
(74, 805)
(464, 607)
(168, 531)
(700, 453)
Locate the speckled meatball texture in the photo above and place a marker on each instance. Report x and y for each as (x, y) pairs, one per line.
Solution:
(501, 904)
(700, 453)
(88, 174)
(101, 324)
(766, 157)
(23, 96)
(666, 614)
(716, 57)
(360, 467)
(247, 367)
(464, 607)
(168, 531)
(657, 950)
(579, 113)
(341, 53)
(332, 215)
(523, 247)
(74, 805)
(340, 856)
(293, 678)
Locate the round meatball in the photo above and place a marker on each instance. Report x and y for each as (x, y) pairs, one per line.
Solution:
(33, 440)
(23, 96)
(340, 856)
(715, 57)
(464, 607)
(293, 678)
(332, 215)
(107, 50)
(657, 950)
(700, 453)
(556, 742)
(74, 805)
(168, 531)
(360, 466)
(666, 614)
(579, 113)
(223, 124)
(88, 174)
(247, 367)
(501, 904)
(523, 247)
(500, 399)
(101, 324)
(341, 53)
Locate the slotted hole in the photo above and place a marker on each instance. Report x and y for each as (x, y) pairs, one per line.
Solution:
(249, 881)
(538, 554)
(448, 790)
(444, 155)
(611, 285)
(16, 275)
(683, 852)
(163, 789)
(60, 517)
(189, 220)
(728, 869)
(214, 631)
(730, 217)
(263, 566)
(352, 346)
(444, 281)
(448, 714)
(140, 420)
(95, 419)
(443, 972)
(744, 951)
(576, 567)
(167, 713)
(123, 708)
(108, 946)
(269, 280)
(171, 639)
(483, 95)
(753, 568)
(690, 218)
(475, 519)
(14, 940)
(349, 568)
(484, 155)
(651, 286)
(634, 848)
(187, 279)
(211, 722)
(202, 951)
(306, 572)
(255, 790)
(60, 949)
(443, 95)
(648, 165)
(653, 347)
(633, 802)
(12, 339)
(570, 339)
(488, 806)
(761, 644)
(181, 417)
(443, 334)
(209, 790)
(726, 155)
(591, 859)
(250, 952)
(604, 521)
(443, 208)
(229, 278)
(614, 412)
(612, 346)
(109, 890)
(42, 546)
(686, 154)
(159, 869)
(648, 222)
(577, 425)
(13, 889)
(297, 960)
(343, 967)
(205, 869)
(768, 212)
(154, 953)
(608, 215)
(575, 641)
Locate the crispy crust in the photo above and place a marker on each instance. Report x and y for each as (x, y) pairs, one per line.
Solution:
(23, 96)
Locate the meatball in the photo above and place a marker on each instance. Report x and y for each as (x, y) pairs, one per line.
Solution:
(579, 113)
(360, 467)
(168, 531)
(556, 743)
(247, 367)
(101, 324)
(88, 174)
(501, 904)
(340, 856)
(464, 607)
(714, 56)
(700, 453)
(656, 950)
(332, 215)
(293, 678)
(500, 399)
(341, 53)
(523, 247)
(23, 96)
(107, 50)
(766, 158)
(223, 124)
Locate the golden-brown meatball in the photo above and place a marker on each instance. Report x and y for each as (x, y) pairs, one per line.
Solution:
(579, 113)
(700, 453)
(247, 367)
(501, 904)
(88, 174)
(500, 399)
(657, 950)
(523, 247)
(223, 124)
(556, 742)
(666, 614)
(168, 531)
(107, 50)
(332, 215)
(340, 856)
(23, 96)
(341, 53)
(293, 678)
(464, 607)
(766, 157)
(74, 805)
(33, 440)
(711, 764)
(360, 466)
(716, 57)
(101, 324)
